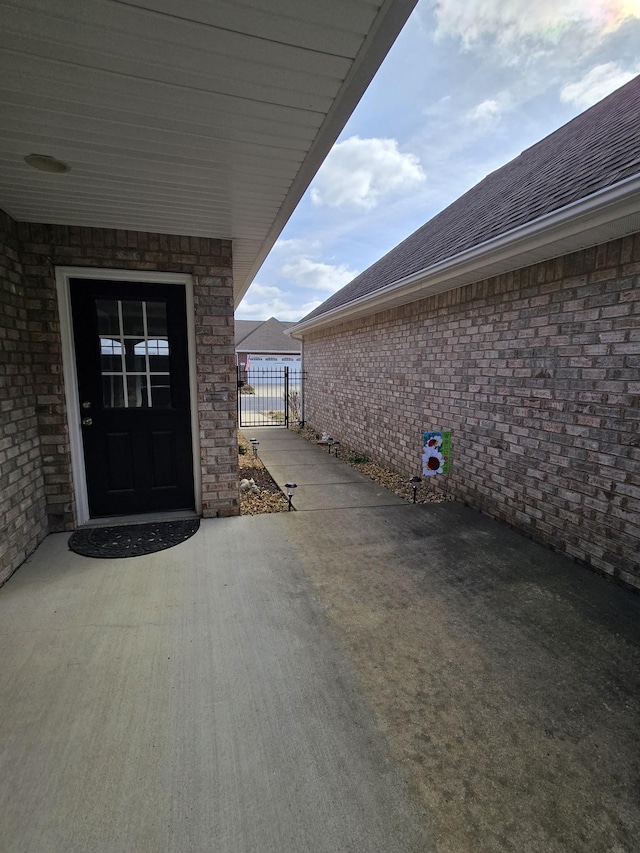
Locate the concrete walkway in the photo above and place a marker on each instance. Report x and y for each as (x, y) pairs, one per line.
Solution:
(360, 675)
(323, 481)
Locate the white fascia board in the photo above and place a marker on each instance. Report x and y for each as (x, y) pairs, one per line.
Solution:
(605, 215)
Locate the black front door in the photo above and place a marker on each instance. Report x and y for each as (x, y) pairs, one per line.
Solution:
(133, 383)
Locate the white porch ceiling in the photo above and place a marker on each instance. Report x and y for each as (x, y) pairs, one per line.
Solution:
(199, 117)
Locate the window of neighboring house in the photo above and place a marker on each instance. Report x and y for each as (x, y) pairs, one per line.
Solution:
(110, 347)
(153, 347)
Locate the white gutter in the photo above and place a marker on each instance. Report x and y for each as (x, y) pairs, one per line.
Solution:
(602, 216)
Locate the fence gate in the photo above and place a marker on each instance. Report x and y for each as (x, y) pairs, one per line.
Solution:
(270, 397)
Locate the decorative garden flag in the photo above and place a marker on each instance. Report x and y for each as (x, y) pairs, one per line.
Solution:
(436, 453)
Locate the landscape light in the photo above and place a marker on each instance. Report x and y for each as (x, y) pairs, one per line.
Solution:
(290, 493)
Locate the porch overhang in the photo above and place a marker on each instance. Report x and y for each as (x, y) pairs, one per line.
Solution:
(194, 117)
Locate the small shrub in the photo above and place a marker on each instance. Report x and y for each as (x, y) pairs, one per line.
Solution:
(358, 458)
(242, 449)
(294, 405)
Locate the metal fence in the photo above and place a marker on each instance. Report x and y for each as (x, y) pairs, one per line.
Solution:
(270, 397)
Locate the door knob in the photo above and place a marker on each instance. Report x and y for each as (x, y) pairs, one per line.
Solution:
(86, 404)
(87, 421)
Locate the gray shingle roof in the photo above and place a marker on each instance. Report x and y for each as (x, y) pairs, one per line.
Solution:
(243, 328)
(597, 149)
(255, 336)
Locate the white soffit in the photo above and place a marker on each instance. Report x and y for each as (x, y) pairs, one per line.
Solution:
(206, 118)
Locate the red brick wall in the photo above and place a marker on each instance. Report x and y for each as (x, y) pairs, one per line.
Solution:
(23, 518)
(39, 249)
(535, 372)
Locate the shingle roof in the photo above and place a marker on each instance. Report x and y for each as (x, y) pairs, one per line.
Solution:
(243, 328)
(597, 149)
(256, 336)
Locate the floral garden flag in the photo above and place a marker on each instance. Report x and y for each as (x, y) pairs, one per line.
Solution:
(436, 453)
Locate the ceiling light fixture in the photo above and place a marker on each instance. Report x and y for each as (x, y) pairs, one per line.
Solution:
(46, 163)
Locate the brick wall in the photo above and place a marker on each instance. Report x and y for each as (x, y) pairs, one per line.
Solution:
(31, 253)
(217, 394)
(535, 372)
(45, 247)
(23, 519)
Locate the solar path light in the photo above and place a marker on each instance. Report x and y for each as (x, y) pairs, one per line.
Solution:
(414, 483)
(290, 486)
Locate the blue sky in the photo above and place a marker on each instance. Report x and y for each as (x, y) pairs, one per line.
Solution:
(467, 86)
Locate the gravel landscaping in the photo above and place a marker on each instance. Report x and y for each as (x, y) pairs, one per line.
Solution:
(269, 498)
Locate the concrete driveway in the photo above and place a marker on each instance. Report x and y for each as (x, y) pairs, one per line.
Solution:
(360, 675)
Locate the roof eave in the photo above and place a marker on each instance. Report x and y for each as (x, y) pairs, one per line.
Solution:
(605, 215)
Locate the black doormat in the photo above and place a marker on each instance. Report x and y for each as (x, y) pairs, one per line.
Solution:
(131, 540)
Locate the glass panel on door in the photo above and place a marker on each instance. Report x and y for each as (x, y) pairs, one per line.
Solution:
(134, 354)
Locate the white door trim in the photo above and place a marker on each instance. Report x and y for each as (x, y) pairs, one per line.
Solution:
(63, 276)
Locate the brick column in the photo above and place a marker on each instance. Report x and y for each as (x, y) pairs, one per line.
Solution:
(217, 407)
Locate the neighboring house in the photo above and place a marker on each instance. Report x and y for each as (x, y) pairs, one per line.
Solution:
(151, 155)
(267, 345)
(512, 319)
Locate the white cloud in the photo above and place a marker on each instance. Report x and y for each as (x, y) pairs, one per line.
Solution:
(544, 21)
(360, 172)
(298, 282)
(263, 301)
(488, 111)
(314, 275)
(596, 85)
(295, 246)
